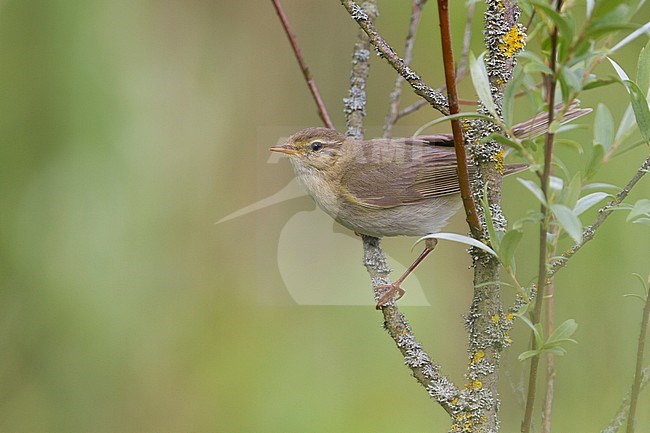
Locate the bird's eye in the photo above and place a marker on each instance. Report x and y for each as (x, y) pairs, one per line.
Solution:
(316, 146)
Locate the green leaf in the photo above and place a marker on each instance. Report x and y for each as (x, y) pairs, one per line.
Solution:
(572, 79)
(555, 350)
(572, 192)
(590, 8)
(571, 144)
(645, 29)
(505, 141)
(569, 221)
(595, 161)
(458, 238)
(619, 71)
(495, 237)
(603, 128)
(627, 124)
(508, 246)
(588, 201)
(482, 83)
(600, 185)
(641, 110)
(643, 69)
(641, 208)
(564, 26)
(528, 354)
(555, 183)
(534, 188)
(564, 331)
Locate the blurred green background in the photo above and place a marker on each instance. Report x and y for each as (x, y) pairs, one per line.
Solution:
(129, 128)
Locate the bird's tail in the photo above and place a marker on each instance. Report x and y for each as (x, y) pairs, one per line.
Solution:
(538, 125)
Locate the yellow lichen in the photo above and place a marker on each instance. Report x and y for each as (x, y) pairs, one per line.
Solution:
(498, 159)
(507, 339)
(509, 317)
(495, 318)
(512, 42)
(478, 356)
(476, 384)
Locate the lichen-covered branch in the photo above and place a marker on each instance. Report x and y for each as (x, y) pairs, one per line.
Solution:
(434, 97)
(439, 387)
(487, 323)
(603, 213)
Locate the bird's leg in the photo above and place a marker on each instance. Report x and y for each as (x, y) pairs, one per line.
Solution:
(394, 287)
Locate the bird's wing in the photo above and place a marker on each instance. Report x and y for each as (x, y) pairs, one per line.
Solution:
(400, 174)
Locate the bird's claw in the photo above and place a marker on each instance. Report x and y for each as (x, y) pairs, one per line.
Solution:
(391, 290)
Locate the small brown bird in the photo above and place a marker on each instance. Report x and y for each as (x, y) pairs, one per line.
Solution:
(387, 187)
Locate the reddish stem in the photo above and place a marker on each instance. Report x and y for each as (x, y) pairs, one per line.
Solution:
(322, 111)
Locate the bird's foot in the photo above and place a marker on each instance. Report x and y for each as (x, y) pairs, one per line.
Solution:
(390, 291)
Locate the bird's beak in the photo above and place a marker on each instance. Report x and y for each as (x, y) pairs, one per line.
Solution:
(284, 148)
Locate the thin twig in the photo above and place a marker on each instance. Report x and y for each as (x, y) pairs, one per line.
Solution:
(543, 226)
(636, 386)
(459, 145)
(391, 117)
(462, 69)
(604, 212)
(435, 98)
(549, 325)
(467, 38)
(322, 111)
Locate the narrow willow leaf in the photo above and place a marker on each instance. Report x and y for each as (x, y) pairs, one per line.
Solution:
(555, 183)
(564, 331)
(572, 79)
(504, 141)
(528, 354)
(572, 191)
(569, 221)
(508, 247)
(482, 83)
(621, 73)
(645, 29)
(641, 110)
(495, 237)
(595, 161)
(643, 69)
(590, 8)
(603, 127)
(563, 25)
(588, 201)
(600, 185)
(641, 208)
(626, 125)
(458, 238)
(534, 188)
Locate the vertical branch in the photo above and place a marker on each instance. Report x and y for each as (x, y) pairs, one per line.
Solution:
(487, 324)
(542, 281)
(452, 97)
(638, 374)
(322, 111)
(391, 117)
(549, 325)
